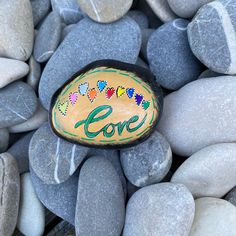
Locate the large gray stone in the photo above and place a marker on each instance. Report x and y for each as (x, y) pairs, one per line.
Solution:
(18, 102)
(160, 209)
(119, 41)
(100, 208)
(200, 114)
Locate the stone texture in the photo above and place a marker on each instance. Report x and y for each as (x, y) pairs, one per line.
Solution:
(66, 30)
(53, 159)
(4, 139)
(153, 210)
(212, 36)
(105, 11)
(31, 218)
(48, 37)
(58, 198)
(213, 217)
(16, 29)
(210, 172)
(200, 114)
(39, 117)
(186, 8)
(100, 208)
(18, 103)
(140, 18)
(148, 162)
(162, 10)
(11, 70)
(10, 194)
(75, 51)
(170, 57)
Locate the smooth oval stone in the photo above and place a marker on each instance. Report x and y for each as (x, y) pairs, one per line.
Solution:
(212, 36)
(105, 11)
(16, 29)
(213, 217)
(170, 57)
(200, 114)
(70, 56)
(18, 102)
(186, 8)
(162, 10)
(58, 198)
(4, 139)
(139, 17)
(148, 162)
(152, 211)
(100, 208)
(48, 37)
(31, 218)
(53, 159)
(9, 194)
(11, 70)
(108, 103)
(210, 172)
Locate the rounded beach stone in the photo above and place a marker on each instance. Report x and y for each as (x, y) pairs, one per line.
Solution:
(170, 57)
(4, 139)
(99, 183)
(212, 36)
(53, 159)
(48, 37)
(105, 11)
(124, 34)
(148, 162)
(162, 10)
(11, 70)
(10, 194)
(213, 216)
(152, 211)
(31, 218)
(200, 114)
(40, 8)
(18, 102)
(58, 198)
(140, 18)
(210, 172)
(16, 29)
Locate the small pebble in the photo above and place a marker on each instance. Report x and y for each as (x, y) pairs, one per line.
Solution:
(4, 139)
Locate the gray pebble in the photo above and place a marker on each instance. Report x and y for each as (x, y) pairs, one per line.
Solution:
(120, 40)
(48, 37)
(4, 139)
(100, 206)
(140, 18)
(18, 102)
(147, 163)
(170, 57)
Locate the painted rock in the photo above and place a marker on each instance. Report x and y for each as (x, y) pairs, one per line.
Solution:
(107, 104)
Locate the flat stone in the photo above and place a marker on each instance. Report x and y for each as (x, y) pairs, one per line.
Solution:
(34, 73)
(170, 57)
(186, 8)
(11, 70)
(18, 102)
(140, 18)
(147, 163)
(53, 159)
(99, 183)
(153, 210)
(162, 10)
(212, 36)
(118, 85)
(70, 57)
(68, 10)
(105, 11)
(10, 194)
(213, 217)
(4, 139)
(210, 172)
(200, 114)
(48, 37)
(33, 123)
(40, 8)
(16, 29)
(20, 151)
(31, 218)
(62, 229)
(58, 198)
